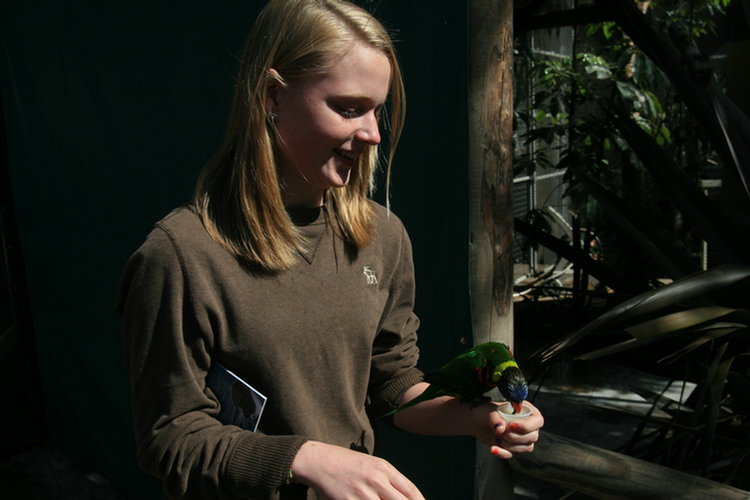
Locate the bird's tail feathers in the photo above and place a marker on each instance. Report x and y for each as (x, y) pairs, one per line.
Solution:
(430, 393)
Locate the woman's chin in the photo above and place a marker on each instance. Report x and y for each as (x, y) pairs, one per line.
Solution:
(339, 179)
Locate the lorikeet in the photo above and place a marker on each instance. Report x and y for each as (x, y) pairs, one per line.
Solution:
(470, 375)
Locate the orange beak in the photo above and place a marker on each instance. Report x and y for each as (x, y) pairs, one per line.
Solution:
(517, 407)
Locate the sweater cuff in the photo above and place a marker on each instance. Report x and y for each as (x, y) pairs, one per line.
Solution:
(390, 395)
(260, 464)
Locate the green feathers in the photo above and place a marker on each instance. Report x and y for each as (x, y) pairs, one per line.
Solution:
(470, 375)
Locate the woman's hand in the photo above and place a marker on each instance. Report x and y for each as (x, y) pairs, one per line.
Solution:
(337, 473)
(506, 440)
(447, 416)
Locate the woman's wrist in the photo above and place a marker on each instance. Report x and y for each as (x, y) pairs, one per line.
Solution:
(308, 455)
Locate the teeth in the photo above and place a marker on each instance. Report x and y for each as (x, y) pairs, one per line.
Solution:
(348, 154)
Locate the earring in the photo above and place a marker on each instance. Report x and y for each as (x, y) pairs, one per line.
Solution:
(271, 116)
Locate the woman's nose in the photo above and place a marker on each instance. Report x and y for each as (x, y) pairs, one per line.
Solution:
(369, 132)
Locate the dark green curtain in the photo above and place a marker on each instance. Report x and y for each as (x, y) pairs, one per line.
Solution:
(112, 109)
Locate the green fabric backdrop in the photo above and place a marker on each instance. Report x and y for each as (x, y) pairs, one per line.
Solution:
(113, 108)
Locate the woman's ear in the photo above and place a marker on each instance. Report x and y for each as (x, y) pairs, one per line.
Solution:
(274, 84)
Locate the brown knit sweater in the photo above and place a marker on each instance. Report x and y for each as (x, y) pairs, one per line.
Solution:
(330, 342)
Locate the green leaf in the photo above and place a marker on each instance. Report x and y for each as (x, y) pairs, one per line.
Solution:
(660, 49)
(681, 290)
(524, 166)
(677, 321)
(739, 386)
(554, 106)
(654, 106)
(714, 332)
(720, 369)
(662, 402)
(630, 92)
(602, 71)
(540, 99)
(660, 328)
(591, 29)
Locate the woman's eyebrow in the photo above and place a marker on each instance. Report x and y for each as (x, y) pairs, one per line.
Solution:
(359, 98)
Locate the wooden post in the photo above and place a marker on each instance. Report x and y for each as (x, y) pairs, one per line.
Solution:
(491, 184)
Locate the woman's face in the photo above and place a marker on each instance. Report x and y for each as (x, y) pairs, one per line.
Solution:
(325, 121)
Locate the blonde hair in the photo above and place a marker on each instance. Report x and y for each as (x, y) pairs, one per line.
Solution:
(238, 196)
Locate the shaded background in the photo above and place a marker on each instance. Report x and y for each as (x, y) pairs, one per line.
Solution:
(110, 112)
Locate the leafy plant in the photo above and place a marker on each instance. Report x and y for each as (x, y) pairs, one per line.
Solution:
(631, 104)
(710, 433)
(600, 118)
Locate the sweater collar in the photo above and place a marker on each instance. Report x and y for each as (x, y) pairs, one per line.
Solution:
(305, 216)
(312, 224)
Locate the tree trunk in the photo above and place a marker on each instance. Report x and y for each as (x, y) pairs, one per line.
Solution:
(491, 184)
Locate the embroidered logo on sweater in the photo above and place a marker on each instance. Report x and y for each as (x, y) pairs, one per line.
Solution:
(372, 279)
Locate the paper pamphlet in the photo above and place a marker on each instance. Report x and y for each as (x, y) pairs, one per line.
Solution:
(241, 404)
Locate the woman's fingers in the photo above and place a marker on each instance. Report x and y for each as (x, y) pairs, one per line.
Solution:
(338, 474)
(518, 436)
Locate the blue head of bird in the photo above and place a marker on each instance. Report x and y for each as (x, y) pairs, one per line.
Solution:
(512, 385)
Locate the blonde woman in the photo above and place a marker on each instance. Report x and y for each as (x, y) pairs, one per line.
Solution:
(284, 272)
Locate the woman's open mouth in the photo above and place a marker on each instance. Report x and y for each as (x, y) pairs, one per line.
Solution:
(349, 155)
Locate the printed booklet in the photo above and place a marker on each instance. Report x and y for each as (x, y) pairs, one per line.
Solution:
(241, 404)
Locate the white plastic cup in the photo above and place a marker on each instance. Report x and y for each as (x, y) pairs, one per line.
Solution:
(506, 411)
